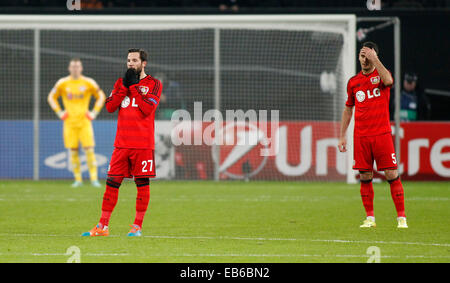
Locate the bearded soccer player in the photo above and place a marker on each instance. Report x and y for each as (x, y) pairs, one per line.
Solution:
(368, 92)
(136, 97)
(76, 91)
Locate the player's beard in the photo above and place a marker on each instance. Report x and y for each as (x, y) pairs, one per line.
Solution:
(139, 70)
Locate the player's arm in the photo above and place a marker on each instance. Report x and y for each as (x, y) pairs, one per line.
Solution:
(346, 118)
(384, 73)
(121, 90)
(99, 101)
(52, 99)
(147, 104)
(345, 121)
(117, 95)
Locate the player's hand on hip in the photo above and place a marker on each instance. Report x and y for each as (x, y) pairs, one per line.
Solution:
(91, 115)
(62, 115)
(130, 78)
(342, 144)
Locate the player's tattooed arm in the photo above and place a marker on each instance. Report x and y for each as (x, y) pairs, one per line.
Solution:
(372, 56)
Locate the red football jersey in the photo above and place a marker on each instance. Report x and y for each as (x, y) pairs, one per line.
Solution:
(371, 100)
(137, 105)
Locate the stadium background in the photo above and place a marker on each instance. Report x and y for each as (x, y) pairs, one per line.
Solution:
(423, 42)
(282, 221)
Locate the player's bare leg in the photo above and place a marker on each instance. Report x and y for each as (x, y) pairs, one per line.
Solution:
(367, 195)
(397, 194)
(76, 167)
(92, 166)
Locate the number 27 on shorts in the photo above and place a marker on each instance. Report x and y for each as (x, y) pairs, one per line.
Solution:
(147, 166)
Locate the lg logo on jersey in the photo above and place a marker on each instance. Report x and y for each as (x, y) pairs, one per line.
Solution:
(361, 96)
(126, 102)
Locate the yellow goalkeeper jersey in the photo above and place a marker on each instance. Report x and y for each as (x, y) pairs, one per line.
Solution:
(76, 95)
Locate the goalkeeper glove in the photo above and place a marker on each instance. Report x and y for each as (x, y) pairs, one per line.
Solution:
(91, 115)
(130, 78)
(62, 114)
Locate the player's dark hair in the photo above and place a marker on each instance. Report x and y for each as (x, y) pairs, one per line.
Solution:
(142, 53)
(371, 45)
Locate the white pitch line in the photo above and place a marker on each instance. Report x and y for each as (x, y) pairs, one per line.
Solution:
(296, 239)
(383, 242)
(294, 255)
(250, 239)
(224, 255)
(64, 254)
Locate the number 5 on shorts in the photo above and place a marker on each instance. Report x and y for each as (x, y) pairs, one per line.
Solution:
(394, 160)
(144, 165)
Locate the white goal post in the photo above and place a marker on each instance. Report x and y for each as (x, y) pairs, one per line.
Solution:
(212, 57)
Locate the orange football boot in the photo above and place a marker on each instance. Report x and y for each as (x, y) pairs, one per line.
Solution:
(97, 231)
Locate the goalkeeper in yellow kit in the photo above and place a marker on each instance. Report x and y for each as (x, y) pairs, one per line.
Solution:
(76, 91)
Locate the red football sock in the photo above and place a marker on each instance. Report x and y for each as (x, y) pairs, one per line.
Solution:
(367, 196)
(397, 194)
(142, 199)
(110, 199)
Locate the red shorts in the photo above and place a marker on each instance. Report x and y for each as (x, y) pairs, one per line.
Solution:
(374, 148)
(129, 162)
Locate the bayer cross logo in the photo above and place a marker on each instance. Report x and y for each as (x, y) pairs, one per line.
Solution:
(375, 80)
(242, 159)
(143, 89)
(125, 102)
(360, 96)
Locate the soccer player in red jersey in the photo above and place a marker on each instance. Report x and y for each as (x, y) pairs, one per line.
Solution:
(136, 97)
(368, 92)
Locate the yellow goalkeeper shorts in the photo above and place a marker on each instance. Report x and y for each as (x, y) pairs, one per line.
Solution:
(76, 134)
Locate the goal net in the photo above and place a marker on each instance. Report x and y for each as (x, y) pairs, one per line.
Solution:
(274, 84)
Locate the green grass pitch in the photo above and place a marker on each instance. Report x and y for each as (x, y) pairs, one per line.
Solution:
(224, 222)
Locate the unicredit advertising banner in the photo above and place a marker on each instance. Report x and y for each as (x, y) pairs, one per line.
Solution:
(425, 151)
(303, 151)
